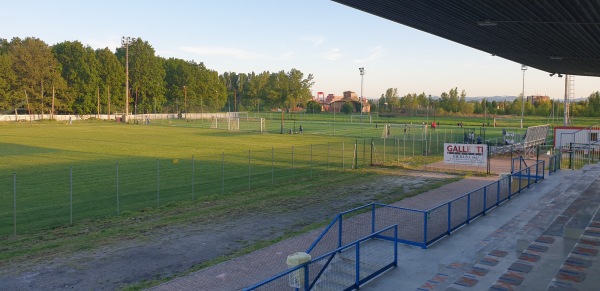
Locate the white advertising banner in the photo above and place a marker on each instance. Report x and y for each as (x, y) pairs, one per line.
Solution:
(465, 154)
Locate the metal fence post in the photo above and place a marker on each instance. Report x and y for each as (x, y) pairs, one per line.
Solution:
(306, 277)
(498, 192)
(449, 217)
(468, 208)
(357, 277)
(425, 216)
(340, 231)
(248, 169)
(372, 148)
(71, 195)
(118, 202)
(356, 154)
(364, 151)
(223, 172)
(510, 177)
(571, 165)
(14, 203)
(373, 218)
(484, 199)
(193, 175)
(272, 165)
(157, 183)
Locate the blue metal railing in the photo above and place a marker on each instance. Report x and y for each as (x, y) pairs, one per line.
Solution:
(307, 275)
(554, 163)
(420, 227)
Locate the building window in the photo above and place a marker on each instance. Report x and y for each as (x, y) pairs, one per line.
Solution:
(593, 136)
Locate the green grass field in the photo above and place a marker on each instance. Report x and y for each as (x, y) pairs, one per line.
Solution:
(61, 174)
(66, 173)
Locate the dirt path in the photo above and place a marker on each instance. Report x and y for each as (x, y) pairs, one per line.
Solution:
(171, 250)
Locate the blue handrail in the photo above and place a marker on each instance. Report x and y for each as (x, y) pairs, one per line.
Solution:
(309, 285)
(476, 205)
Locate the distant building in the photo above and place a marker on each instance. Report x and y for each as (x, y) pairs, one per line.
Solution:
(335, 105)
(534, 99)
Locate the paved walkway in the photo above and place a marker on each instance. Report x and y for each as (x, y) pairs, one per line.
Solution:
(459, 262)
(264, 263)
(528, 243)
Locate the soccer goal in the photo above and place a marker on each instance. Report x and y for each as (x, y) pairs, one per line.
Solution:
(508, 122)
(234, 124)
(387, 131)
(263, 126)
(214, 122)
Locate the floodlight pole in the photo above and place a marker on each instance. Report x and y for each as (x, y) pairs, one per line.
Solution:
(523, 68)
(126, 41)
(362, 79)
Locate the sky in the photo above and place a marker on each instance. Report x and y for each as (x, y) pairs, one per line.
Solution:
(319, 37)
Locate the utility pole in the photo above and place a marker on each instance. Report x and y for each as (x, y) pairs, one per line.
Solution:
(362, 79)
(126, 41)
(523, 68)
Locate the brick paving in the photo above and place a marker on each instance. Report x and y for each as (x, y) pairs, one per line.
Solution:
(254, 267)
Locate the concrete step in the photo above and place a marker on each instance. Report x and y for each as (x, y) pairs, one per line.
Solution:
(506, 261)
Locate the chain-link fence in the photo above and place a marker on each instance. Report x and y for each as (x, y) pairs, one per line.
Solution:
(49, 196)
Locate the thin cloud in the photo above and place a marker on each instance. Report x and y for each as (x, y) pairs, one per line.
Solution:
(375, 53)
(315, 40)
(332, 54)
(221, 51)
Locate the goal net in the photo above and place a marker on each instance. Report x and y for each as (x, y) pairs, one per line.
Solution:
(508, 122)
(387, 131)
(214, 122)
(234, 124)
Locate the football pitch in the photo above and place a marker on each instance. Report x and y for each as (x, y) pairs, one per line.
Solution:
(54, 174)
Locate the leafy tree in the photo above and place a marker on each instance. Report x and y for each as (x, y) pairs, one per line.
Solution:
(112, 80)
(80, 71)
(146, 76)
(298, 88)
(313, 107)
(8, 98)
(34, 65)
(347, 108)
(256, 89)
(593, 104)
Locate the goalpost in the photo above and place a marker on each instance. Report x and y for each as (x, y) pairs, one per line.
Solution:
(386, 131)
(234, 124)
(508, 122)
(214, 122)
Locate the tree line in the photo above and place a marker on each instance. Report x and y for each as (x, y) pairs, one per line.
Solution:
(72, 78)
(451, 102)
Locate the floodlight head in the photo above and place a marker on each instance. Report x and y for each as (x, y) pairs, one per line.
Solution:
(560, 75)
(362, 70)
(523, 67)
(552, 74)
